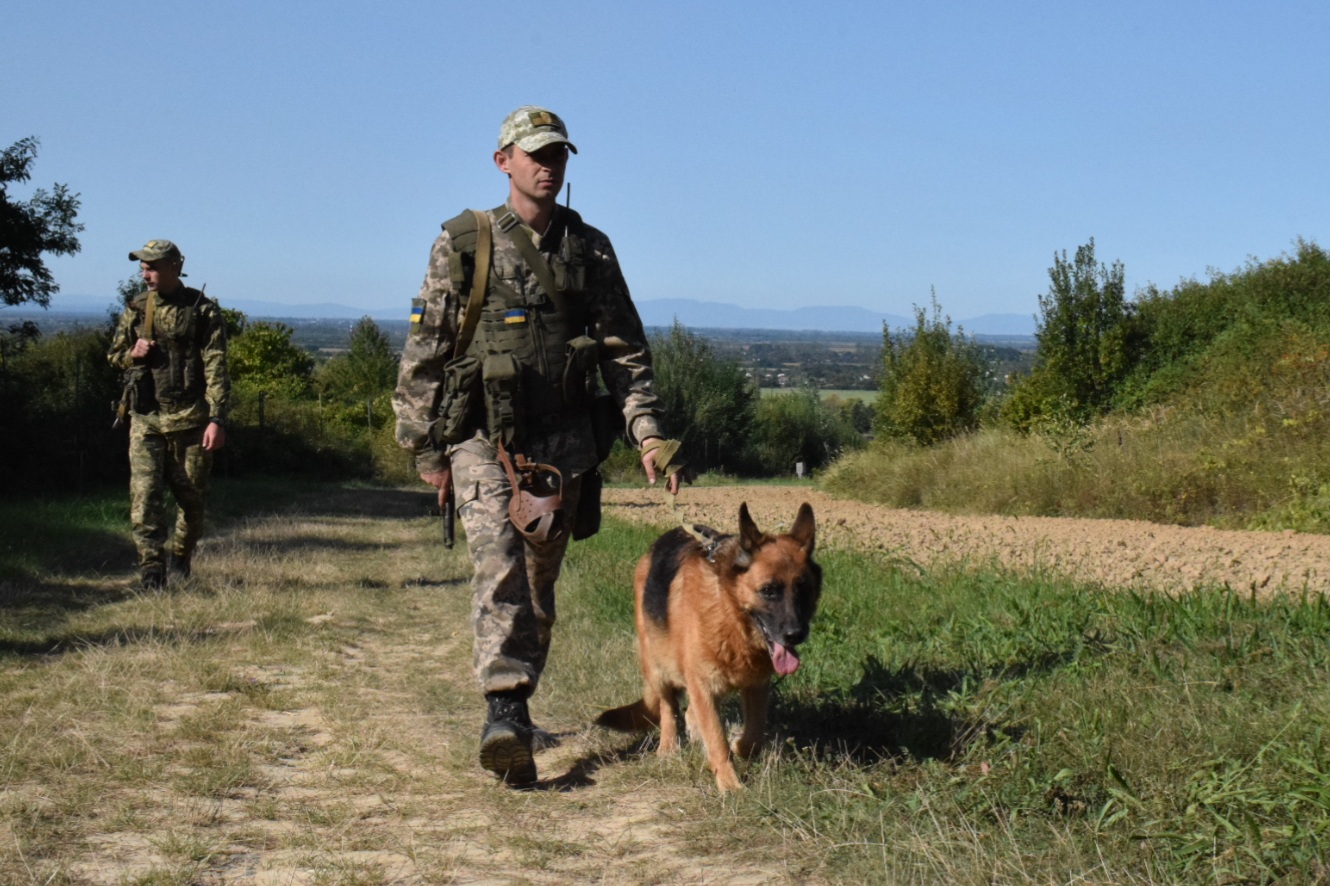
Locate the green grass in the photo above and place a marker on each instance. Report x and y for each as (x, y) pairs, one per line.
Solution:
(944, 726)
(976, 728)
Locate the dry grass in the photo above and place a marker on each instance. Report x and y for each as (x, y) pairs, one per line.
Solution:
(302, 711)
(1230, 472)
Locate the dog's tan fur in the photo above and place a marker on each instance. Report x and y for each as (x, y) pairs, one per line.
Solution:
(716, 614)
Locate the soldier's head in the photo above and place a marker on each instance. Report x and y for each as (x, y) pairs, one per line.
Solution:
(161, 264)
(533, 152)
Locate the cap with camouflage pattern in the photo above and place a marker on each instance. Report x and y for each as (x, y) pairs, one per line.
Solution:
(155, 250)
(532, 128)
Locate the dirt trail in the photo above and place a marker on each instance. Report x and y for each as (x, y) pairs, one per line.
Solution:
(351, 748)
(1117, 553)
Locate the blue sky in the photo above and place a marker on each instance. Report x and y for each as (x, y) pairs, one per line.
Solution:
(770, 154)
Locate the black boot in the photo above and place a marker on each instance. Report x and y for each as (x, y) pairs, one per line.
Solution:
(505, 745)
(179, 566)
(151, 578)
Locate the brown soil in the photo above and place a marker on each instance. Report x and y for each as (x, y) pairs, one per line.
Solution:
(1114, 553)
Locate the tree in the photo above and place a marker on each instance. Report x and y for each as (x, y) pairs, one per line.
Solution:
(1084, 350)
(367, 370)
(45, 223)
(264, 360)
(709, 402)
(800, 426)
(932, 383)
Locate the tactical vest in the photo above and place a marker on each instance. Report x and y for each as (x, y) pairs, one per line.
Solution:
(537, 362)
(175, 365)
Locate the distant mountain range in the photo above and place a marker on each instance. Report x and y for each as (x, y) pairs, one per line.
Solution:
(820, 318)
(655, 312)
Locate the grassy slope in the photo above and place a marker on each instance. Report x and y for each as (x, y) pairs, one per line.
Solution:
(304, 708)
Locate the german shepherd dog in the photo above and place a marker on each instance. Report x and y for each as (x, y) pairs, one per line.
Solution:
(718, 613)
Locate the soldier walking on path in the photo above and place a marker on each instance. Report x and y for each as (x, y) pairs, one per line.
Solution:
(522, 334)
(171, 344)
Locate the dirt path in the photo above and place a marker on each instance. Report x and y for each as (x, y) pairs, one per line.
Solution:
(1118, 553)
(304, 713)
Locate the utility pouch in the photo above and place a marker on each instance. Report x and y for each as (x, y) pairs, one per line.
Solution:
(586, 521)
(606, 424)
(579, 368)
(502, 397)
(461, 399)
(139, 387)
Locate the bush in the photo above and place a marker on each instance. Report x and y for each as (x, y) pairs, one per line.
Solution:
(932, 382)
(1087, 346)
(709, 402)
(56, 397)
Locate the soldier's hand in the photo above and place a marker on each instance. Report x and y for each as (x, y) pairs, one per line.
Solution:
(214, 437)
(141, 348)
(649, 465)
(441, 480)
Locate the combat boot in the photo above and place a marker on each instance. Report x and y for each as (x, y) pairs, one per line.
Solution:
(505, 743)
(151, 577)
(179, 566)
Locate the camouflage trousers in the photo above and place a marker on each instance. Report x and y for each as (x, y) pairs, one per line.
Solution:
(158, 461)
(512, 588)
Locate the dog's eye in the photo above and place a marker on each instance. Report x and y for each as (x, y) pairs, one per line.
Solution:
(772, 591)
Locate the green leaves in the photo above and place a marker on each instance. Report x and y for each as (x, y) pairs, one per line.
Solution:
(1086, 348)
(932, 381)
(44, 223)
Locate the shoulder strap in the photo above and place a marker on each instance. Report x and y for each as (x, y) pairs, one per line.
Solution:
(148, 314)
(531, 255)
(479, 282)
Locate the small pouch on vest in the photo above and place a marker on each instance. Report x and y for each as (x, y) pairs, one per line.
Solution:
(501, 397)
(461, 397)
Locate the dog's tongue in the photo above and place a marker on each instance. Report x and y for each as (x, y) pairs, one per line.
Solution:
(785, 661)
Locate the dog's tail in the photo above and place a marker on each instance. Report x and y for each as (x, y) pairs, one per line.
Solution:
(635, 717)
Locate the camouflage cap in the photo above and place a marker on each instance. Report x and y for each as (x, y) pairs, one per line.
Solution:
(155, 250)
(532, 128)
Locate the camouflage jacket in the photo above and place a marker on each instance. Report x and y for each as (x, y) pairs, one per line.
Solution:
(611, 319)
(188, 381)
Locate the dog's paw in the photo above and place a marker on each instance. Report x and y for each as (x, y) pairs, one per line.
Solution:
(727, 781)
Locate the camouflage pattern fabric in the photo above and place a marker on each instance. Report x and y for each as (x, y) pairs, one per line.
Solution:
(625, 359)
(532, 128)
(513, 583)
(165, 444)
(208, 351)
(156, 250)
(159, 460)
(512, 588)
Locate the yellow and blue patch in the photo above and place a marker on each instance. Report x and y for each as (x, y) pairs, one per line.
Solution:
(417, 311)
(516, 315)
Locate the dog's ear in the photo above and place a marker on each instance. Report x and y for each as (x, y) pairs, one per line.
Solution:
(750, 538)
(805, 528)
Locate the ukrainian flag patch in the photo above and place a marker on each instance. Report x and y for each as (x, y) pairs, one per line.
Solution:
(417, 311)
(516, 315)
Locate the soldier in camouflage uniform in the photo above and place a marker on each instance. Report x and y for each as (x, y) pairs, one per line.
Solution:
(515, 572)
(171, 343)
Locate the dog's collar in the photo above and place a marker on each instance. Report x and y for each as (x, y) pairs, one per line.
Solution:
(705, 536)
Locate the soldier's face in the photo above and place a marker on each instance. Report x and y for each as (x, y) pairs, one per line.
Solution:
(538, 176)
(161, 275)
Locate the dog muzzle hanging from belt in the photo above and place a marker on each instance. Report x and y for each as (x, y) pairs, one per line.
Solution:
(536, 508)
